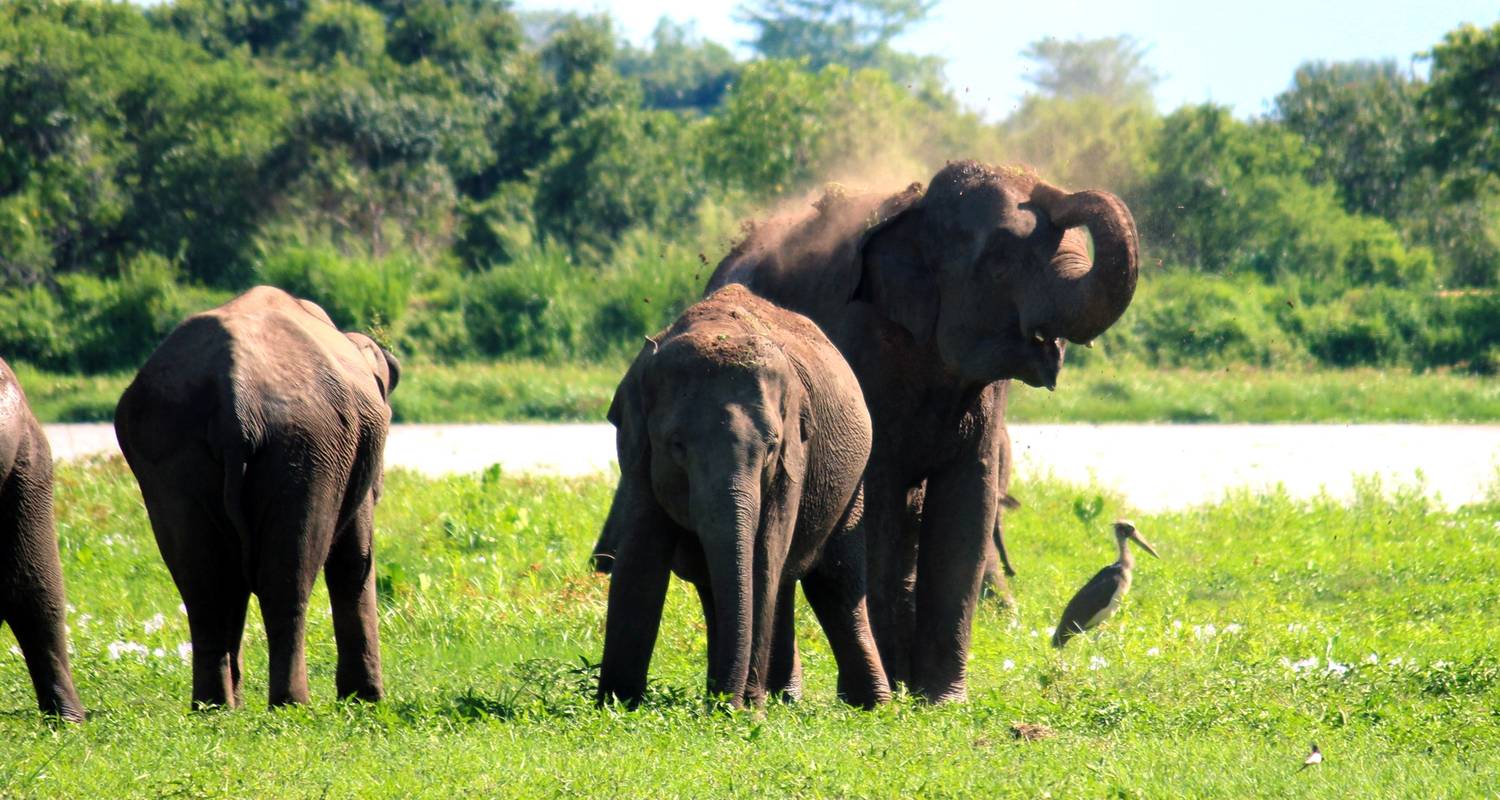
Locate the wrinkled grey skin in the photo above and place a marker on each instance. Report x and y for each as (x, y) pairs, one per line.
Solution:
(932, 297)
(742, 439)
(256, 431)
(32, 600)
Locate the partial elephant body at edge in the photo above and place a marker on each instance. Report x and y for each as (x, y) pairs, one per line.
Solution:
(32, 599)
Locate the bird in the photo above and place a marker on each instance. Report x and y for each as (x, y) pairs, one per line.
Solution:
(1313, 759)
(1099, 598)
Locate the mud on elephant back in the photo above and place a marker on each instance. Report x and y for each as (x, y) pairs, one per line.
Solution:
(257, 431)
(32, 600)
(933, 296)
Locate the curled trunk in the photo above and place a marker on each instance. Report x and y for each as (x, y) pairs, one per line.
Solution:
(1082, 299)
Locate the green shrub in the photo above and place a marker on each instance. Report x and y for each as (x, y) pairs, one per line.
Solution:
(529, 308)
(358, 292)
(1179, 319)
(97, 324)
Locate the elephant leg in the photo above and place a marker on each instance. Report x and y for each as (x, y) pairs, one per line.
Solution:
(885, 515)
(958, 518)
(835, 589)
(350, 573)
(637, 592)
(204, 556)
(997, 569)
(784, 681)
(295, 536)
(36, 608)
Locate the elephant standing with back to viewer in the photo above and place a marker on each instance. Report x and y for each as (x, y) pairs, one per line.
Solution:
(32, 600)
(257, 431)
(742, 441)
(932, 297)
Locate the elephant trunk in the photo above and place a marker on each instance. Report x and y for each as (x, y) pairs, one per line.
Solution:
(726, 513)
(1084, 299)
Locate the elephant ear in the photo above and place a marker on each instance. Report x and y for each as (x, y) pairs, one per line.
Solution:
(627, 413)
(893, 274)
(384, 367)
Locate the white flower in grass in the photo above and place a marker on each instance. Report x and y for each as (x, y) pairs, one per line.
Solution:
(15, 651)
(1441, 664)
(159, 653)
(71, 609)
(1176, 624)
(1007, 665)
(1336, 669)
(1296, 627)
(1311, 662)
(84, 620)
(1048, 633)
(1395, 662)
(118, 650)
(182, 609)
(1372, 659)
(1097, 662)
(155, 624)
(1155, 651)
(1034, 633)
(185, 652)
(1233, 628)
(1205, 631)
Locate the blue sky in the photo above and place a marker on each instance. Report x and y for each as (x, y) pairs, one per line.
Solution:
(1238, 54)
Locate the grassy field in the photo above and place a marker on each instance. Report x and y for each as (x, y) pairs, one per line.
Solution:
(1268, 623)
(533, 391)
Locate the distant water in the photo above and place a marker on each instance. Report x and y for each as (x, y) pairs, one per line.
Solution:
(1156, 467)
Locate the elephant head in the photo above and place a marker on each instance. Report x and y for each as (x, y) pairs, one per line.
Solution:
(991, 264)
(383, 365)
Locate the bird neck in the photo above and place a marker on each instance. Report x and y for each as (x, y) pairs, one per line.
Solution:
(1126, 560)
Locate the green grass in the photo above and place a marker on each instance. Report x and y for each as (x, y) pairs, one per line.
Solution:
(1102, 392)
(489, 619)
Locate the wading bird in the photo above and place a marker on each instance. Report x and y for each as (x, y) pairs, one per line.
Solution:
(1099, 598)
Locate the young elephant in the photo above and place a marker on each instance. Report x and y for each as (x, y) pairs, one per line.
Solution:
(256, 431)
(742, 438)
(31, 583)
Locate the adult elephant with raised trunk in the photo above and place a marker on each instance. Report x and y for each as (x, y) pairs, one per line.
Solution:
(933, 297)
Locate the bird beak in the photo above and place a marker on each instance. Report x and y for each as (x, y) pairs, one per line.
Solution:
(1143, 543)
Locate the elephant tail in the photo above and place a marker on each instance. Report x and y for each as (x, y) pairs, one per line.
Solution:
(237, 446)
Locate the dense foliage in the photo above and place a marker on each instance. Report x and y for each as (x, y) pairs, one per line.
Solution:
(469, 183)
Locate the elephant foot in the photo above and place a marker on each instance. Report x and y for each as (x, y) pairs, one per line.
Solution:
(67, 709)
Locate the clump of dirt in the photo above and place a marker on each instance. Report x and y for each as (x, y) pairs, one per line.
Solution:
(1030, 731)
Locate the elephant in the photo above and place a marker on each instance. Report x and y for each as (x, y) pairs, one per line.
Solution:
(997, 568)
(32, 599)
(933, 297)
(256, 431)
(742, 440)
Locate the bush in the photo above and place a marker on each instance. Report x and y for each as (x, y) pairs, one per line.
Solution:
(358, 292)
(527, 309)
(1179, 319)
(97, 324)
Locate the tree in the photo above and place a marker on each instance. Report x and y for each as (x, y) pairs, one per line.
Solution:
(1362, 119)
(679, 71)
(1226, 196)
(1462, 108)
(1113, 68)
(854, 33)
